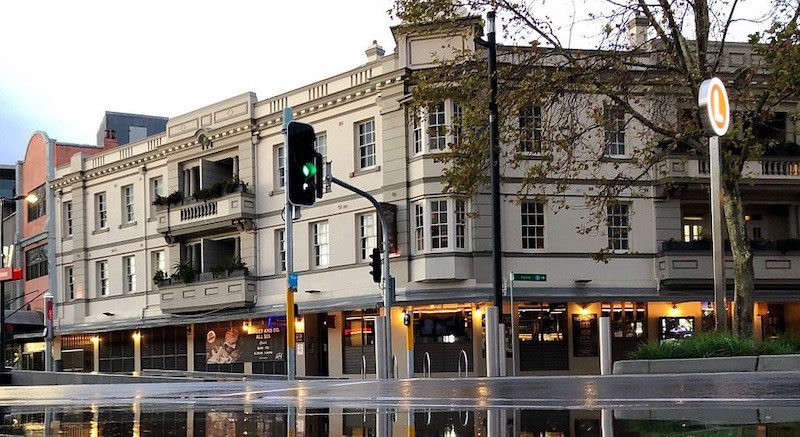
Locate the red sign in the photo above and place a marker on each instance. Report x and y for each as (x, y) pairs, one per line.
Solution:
(9, 273)
(49, 309)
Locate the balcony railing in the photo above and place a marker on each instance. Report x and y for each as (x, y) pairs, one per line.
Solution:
(198, 216)
(206, 291)
(767, 167)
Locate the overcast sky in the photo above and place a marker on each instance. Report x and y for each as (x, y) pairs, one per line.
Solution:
(64, 63)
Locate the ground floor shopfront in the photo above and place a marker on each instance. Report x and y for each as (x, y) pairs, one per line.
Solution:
(439, 339)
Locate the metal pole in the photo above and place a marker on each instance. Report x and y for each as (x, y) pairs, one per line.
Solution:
(388, 289)
(494, 139)
(289, 213)
(48, 338)
(718, 252)
(513, 326)
(492, 328)
(605, 345)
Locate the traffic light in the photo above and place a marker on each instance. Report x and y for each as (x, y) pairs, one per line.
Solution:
(376, 265)
(304, 167)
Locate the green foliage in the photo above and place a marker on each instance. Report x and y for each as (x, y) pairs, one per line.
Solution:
(183, 272)
(712, 344)
(221, 188)
(159, 276)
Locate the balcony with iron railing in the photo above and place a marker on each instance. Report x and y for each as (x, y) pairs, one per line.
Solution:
(178, 216)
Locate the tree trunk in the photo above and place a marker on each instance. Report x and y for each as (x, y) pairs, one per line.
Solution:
(743, 272)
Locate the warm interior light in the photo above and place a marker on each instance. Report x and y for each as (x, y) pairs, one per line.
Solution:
(299, 324)
(32, 198)
(675, 311)
(137, 336)
(95, 339)
(747, 217)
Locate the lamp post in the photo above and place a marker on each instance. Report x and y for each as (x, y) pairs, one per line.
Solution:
(30, 198)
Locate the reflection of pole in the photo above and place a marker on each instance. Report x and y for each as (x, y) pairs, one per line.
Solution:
(291, 422)
(492, 328)
(495, 425)
(718, 253)
(289, 213)
(607, 422)
(383, 423)
(2, 289)
(514, 315)
(605, 345)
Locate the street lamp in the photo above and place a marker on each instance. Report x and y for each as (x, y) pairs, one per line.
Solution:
(32, 199)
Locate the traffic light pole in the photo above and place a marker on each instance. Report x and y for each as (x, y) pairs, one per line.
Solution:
(289, 214)
(387, 368)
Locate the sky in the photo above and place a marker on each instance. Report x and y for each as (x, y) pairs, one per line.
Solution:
(64, 63)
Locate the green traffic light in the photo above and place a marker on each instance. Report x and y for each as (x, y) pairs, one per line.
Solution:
(309, 169)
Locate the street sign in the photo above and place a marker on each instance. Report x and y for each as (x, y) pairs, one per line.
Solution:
(293, 280)
(536, 277)
(10, 273)
(714, 107)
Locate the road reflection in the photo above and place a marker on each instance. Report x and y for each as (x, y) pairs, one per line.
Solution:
(178, 420)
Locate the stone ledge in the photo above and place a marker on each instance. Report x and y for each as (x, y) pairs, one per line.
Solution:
(764, 363)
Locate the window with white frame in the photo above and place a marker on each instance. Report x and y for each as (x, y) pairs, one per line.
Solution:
(447, 221)
(279, 164)
(102, 278)
(101, 210)
(156, 191)
(618, 222)
(321, 145)
(69, 282)
(615, 131)
(365, 131)
(321, 244)
(434, 128)
(280, 242)
(158, 261)
(129, 269)
(368, 234)
(68, 219)
(532, 218)
(530, 129)
(128, 204)
(419, 226)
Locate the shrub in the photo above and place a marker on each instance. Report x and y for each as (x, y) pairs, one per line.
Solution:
(183, 272)
(713, 344)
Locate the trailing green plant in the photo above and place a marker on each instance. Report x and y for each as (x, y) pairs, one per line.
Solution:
(713, 344)
(235, 263)
(183, 271)
(226, 186)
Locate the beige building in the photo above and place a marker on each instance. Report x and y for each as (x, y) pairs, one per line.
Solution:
(171, 255)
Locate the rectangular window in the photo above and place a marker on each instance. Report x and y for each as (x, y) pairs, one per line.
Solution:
(321, 244)
(530, 127)
(279, 164)
(461, 224)
(36, 262)
(280, 240)
(532, 225)
(68, 219)
(38, 208)
(101, 215)
(158, 261)
(128, 212)
(416, 129)
(321, 146)
(439, 224)
(618, 226)
(458, 115)
(69, 283)
(156, 191)
(419, 226)
(129, 267)
(615, 132)
(437, 128)
(368, 232)
(102, 278)
(366, 144)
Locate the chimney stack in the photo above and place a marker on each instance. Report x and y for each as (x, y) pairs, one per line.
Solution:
(110, 141)
(637, 31)
(374, 52)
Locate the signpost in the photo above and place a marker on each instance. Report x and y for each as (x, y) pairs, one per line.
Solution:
(715, 113)
(533, 277)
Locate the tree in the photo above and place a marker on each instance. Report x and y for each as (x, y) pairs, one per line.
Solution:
(645, 77)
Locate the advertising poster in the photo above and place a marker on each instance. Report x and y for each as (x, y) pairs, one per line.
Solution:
(264, 342)
(224, 345)
(586, 343)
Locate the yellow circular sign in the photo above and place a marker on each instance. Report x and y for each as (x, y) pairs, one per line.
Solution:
(714, 107)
